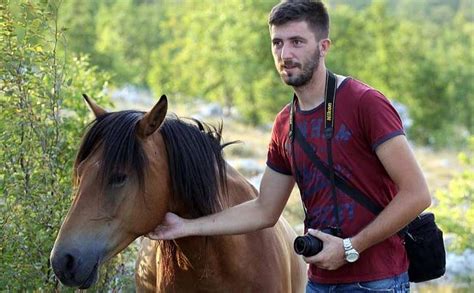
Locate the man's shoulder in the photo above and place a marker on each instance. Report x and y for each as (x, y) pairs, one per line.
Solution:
(281, 123)
(355, 92)
(284, 114)
(355, 88)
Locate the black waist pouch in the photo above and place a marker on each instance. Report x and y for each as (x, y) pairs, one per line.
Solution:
(425, 248)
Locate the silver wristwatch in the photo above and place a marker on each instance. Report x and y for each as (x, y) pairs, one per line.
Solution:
(351, 254)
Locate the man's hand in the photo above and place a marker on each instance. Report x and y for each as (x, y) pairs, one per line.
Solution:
(332, 256)
(172, 227)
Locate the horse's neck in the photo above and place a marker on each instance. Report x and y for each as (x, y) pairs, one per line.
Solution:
(198, 262)
(202, 252)
(239, 188)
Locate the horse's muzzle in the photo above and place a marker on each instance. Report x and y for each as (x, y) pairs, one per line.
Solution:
(74, 268)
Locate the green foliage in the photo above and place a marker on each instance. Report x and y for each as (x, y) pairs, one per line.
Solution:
(219, 53)
(399, 55)
(119, 36)
(43, 116)
(30, 144)
(79, 20)
(416, 52)
(454, 209)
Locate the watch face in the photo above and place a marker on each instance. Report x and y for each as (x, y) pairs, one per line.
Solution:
(352, 256)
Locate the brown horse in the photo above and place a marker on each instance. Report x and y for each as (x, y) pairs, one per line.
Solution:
(132, 168)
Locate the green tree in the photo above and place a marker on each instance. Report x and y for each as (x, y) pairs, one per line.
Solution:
(454, 209)
(427, 66)
(417, 53)
(435, 77)
(219, 53)
(42, 118)
(118, 36)
(79, 20)
(127, 33)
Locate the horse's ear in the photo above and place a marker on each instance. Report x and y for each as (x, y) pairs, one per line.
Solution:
(153, 119)
(96, 109)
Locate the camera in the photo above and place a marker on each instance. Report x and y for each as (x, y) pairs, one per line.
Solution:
(308, 245)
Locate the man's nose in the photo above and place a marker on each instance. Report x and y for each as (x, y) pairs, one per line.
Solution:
(286, 53)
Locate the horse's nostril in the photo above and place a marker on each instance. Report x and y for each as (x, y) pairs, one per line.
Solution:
(69, 262)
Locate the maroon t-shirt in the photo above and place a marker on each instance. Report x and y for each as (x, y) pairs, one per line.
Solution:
(364, 119)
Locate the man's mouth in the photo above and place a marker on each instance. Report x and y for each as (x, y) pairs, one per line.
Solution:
(289, 66)
(288, 70)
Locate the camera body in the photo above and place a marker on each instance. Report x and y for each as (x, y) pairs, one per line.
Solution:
(308, 245)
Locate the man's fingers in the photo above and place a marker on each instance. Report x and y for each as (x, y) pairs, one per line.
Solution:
(312, 259)
(152, 235)
(319, 261)
(318, 234)
(158, 228)
(156, 234)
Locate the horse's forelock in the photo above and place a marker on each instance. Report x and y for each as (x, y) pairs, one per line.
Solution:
(115, 134)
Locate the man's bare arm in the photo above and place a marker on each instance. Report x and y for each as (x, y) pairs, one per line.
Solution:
(259, 213)
(412, 198)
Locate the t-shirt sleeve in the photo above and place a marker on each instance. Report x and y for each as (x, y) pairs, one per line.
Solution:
(380, 121)
(277, 159)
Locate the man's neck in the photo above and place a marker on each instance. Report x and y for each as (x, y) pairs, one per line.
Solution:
(311, 95)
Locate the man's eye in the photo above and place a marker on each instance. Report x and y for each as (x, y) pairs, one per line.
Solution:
(276, 43)
(117, 180)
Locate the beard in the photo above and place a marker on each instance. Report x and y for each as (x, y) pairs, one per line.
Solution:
(307, 70)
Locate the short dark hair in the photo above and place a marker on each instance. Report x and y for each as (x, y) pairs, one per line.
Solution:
(313, 12)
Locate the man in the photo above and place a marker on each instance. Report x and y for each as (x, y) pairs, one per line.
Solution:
(369, 150)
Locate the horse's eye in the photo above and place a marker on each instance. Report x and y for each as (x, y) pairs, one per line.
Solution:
(117, 180)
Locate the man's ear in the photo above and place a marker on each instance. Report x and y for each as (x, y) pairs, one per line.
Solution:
(97, 110)
(324, 47)
(152, 120)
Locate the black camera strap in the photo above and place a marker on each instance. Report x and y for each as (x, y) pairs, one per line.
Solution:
(329, 107)
(328, 171)
(294, 132)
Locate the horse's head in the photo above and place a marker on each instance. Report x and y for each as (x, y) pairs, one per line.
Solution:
(114, 202)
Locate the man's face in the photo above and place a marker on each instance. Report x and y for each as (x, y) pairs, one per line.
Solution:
(295, 51)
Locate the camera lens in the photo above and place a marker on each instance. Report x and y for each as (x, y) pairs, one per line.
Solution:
(307, 245)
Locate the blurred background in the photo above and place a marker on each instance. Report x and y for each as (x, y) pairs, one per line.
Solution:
(213, 60)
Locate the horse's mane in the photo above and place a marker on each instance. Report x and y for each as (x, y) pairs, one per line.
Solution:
(198, 175)
(196, 165)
